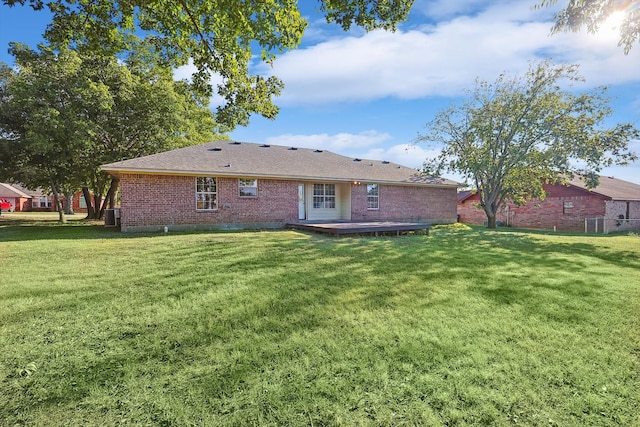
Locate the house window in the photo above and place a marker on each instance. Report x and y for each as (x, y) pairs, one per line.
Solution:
(206, 193)
(324, 196)
(373, 197)
(82, 202)
(567, 207)
(248, 187)
(41, 202)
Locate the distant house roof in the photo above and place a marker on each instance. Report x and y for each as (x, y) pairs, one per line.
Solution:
(235, 159)
(611, 187)
(13, 190)
(614, 188)
(464, 195)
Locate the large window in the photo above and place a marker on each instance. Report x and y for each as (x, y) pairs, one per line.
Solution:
(373, 196)
(324, 196)
(41, 202)
(248, 187)
(206, 193)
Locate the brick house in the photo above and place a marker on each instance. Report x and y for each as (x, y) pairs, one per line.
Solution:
(26, 200)
(227, 184)
(614, 205)
(19, 199)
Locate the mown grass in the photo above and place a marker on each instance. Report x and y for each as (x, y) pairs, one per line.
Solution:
(461, 327)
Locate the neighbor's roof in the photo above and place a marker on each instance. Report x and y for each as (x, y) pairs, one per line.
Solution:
(229, 158)
(12, 190)
(612, 187)
(608, 186)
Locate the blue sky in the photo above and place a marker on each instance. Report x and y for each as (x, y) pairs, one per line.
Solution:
(369, 95)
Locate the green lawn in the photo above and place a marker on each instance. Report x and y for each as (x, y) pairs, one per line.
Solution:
(467, 327)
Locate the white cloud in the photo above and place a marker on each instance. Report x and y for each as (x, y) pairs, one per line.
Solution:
(443, 59)
(342, 143)
(409, 155)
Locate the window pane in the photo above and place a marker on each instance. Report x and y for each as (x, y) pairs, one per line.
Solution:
(206, 193)
(248, 187)
(330, 203)
(248, 192)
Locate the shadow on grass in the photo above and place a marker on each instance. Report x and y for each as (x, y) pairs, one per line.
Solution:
(293, 298)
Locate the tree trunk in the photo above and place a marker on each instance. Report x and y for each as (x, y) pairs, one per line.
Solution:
(111, 194)
(491, 221)
(58, 203)
(99, 208)
(68, 206)
(88, 202)
(110, 198)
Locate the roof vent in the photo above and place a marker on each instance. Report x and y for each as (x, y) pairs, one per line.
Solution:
(293, 148)
(228, 165)
(236, 143)
(215, 149)
(265, 146)
(356, 160)
(318, 151)
(385, 162)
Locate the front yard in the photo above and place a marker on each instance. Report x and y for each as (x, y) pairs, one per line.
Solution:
(467, 327)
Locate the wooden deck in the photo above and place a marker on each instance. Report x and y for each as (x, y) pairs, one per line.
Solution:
(370, 228)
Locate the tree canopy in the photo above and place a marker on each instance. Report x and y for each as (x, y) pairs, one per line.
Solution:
(593, 13)
(512, 136)
(62, 115)
(219, 36)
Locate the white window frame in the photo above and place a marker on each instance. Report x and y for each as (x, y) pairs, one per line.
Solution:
(373, 200)
(247, 187)
(41, 202)
(324, 196)
(206, 193)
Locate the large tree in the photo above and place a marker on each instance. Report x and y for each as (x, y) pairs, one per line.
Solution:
(512, 136)
(591, 14)
(62, 115)
(220, 36)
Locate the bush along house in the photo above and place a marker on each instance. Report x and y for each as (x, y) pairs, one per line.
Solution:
(614, 205)
(228, 185)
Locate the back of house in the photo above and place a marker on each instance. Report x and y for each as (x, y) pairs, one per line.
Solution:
(228, 184)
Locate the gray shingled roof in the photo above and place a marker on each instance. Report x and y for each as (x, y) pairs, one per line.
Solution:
(612, 187)
(608, 186)
(228, 158)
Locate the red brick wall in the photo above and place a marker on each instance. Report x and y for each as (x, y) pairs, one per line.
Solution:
(153, 200)
(545, 214)
(156, 201)
(405, 203)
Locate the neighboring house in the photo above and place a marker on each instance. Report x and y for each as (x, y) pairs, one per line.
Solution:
(26, 200)
(613, 205)
(14, 194)
(243, 185)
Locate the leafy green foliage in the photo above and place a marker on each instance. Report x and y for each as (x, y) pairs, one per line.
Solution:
(593, 13)
(511, 136)
(218, 35)
(283, 328)
(63, 114)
